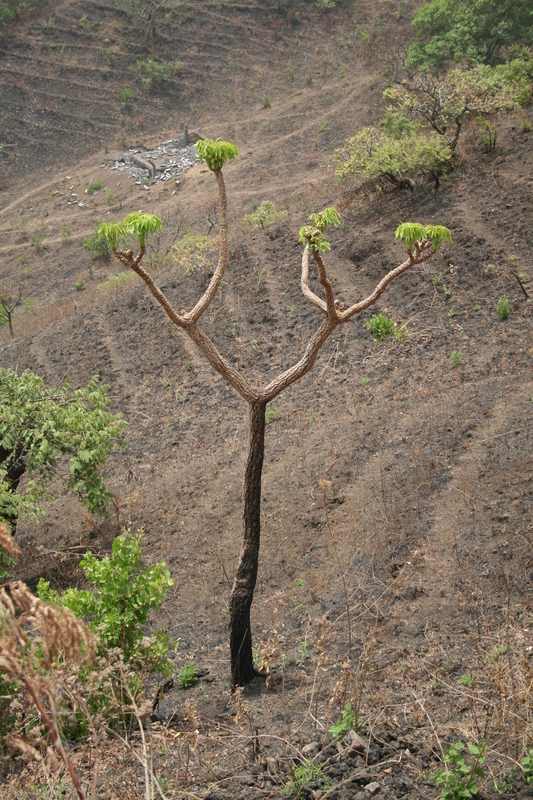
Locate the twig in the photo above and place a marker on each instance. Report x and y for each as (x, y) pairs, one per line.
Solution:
(431, 724)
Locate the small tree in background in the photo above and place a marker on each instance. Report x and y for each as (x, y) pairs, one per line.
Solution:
(10, 299)
(421, 242)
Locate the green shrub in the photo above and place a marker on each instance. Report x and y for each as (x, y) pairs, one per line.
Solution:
(98, 245)
(503, 309)
(458, 778)
(264, 215)
(187, 676)
(302, 776)
(457, 358)
(155, 73)
(93, 187)
(121, 602)
(383, 326)
(117, 281)
(349, 719)
(193, 251)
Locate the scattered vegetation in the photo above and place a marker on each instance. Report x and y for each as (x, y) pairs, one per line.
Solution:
(156, 73)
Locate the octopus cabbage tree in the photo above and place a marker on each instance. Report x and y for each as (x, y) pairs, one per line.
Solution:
(421, 243)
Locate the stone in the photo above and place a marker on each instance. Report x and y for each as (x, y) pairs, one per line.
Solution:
(372, 788)
(310, 750)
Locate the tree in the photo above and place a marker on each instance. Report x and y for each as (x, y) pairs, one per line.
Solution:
(37, 426)
(9, 301)
(421, 242)
(472, 31)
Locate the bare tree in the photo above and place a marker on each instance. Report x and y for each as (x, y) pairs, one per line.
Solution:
(421, 242)
(9, 300)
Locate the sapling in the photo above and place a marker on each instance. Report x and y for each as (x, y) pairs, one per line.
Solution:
(420, 242)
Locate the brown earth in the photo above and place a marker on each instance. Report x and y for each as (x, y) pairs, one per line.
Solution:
(429, 514)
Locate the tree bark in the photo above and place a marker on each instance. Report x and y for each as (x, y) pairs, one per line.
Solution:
(242, 665)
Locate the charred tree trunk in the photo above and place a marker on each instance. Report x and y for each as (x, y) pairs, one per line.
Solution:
(242, 665)
(13, 462)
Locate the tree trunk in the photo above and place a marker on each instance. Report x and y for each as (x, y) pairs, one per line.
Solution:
(242, 666)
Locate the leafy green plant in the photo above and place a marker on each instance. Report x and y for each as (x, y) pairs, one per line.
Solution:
(503, 309)
(193, 251)
(457, 358)
(37, 242)
(459, 778)
(37, 425)
(123, 596)
(306, 773)
(98, 245)
(94, 186)
(125, 95)
(155, 73)
(216, 152)
(383, 326)
(79, 285)
(525, 123)
(187, 676)
(467, 680)
(349, 720)
(267, 102)
(264, 215)
(488, 134)
(313, 236)
(527, 765)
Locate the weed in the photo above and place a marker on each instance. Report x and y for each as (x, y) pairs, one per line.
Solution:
(525, 123)
(290, 73)
(447, 292)
(290, 309)
(457, 778)
(125, 95)
(79, 285)
(489, 269)
(271, 415)
(324, 127)
(452, 313)
(191, 251)
(267, 103)
(117, 281)
(98, 245)
(347, 721)
(187, 676)
(476, 307)
(255, 345)
(302, 776)
(308, 80)
(299, 582)
(111, 196)
(456, 358)
(436, 280)
(503, 308)
(467, 680)
(104, 72)
(166, 383)
(266, 214)
(65, 236)
(383, 326)
(94, 186)
(63, 98)
(303, 653)
(22, 259)
(155, 73)
(36, 241)
(488, 135)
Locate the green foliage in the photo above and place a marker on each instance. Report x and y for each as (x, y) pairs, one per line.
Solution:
(458, 778)
(314, 236)
(187, 676)
(488, 134)
(412, 232)
(271, 415)
(302, 776)
(503, 309)
(527, 765)
(264, 215)
(325, 5)
(216, 152)
(155, 73)
(383, 326)
(349, 719)
(117, 281)
(15, 10)
(457, 358)
(136, 224)
(93, 187)
(123, 597)
(398, 125)
(98, 245)
(125, 95)
(37, 425)
(373, 153)
(473, 31)
(36, 241)
(192, 251)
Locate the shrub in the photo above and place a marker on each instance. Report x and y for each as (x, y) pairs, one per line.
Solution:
(192, 251)
(117, 281)
(155, 73)
(456, 358)
(503, 308)
(187, 676)
(302, 776)
(264, 215)
(349, 719)
(93, 187)
(458, 778)
(123, 597)
(383, 326)
(98, 245)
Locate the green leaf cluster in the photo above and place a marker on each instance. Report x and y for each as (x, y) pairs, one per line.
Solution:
(349, 719)
(412, 232)
(383, 326)
(264, 215)
(98, 245)
(187, 676)
(216, 152)
(527, 765)
(458, 778)
(471, 31)
(314, 235)
(306, 773)
(123, 596)
(39, 424)
(137, 224)
(156, 73)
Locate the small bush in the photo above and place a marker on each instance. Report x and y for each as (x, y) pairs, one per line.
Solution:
(302, 776)
(347, 721)
(264, 215)
(192, 251)
(456, 358)
(155, 73)
(117, 281)
(79, 285)
(525, 123)
(383, 326)
(93, 187)
(187, 676)
(503, 308)
(98, 245)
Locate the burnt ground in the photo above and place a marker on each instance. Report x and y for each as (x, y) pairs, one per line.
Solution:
(427, 522)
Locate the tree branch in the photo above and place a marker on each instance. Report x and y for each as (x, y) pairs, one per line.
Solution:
(304, 284)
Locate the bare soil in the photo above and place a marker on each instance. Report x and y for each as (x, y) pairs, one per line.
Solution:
(428, 518)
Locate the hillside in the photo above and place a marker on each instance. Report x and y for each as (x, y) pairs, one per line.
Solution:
(428, 520)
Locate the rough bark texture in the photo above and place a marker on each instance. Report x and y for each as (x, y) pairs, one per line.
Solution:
(242, 666)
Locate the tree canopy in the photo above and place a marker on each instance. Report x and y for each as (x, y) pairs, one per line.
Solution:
(471, 31)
